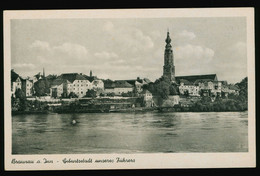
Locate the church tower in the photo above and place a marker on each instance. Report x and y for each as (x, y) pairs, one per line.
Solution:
(168, 68)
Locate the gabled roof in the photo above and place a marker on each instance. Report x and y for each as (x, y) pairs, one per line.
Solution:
(186, 82)
(132, 81)
(90, 78)
(193, 78)
(71, 77)
(233, 87)
(59, 81)
(96, 81)
(205, 81)
(223, 82)
(14, 76)
(26, 79)
(117, 84)
(109, 83)
(122, 84)
(147, 80)
(138, 80)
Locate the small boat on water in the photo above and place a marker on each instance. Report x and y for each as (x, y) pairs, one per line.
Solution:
(73, 122)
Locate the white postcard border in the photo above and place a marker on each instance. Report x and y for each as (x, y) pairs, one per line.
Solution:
(144, 161)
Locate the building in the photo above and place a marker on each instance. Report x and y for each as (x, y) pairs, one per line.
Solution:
(77, 83)
(224, 90)
(147, 98)
(205, 85)
(196, 85)
(97, 85)
(193, 78)
(38, 76)
(233, 89)
(168, 68)
(16, 82)
(60, 87)
(188, 88)
(27, 87)
(118, 87)
(137, 83)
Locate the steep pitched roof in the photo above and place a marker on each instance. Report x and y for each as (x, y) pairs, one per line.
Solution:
(147, 80)
(90, 78)
(117, 84)
(25, 79)
(97, 81)
(186, 82)
(132, 81)
(109, 83)
(71, 77)
(14, 76)
(122, 84)
(193, 78)
(205, 81)
(59, 81)
(139, 80)
(233, 87)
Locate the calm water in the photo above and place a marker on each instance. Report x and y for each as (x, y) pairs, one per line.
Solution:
(130, 133)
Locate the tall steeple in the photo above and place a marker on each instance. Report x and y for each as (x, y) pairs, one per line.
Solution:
(90, 74)
(168, 68)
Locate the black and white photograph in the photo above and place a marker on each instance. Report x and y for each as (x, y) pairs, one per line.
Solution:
(129, 89)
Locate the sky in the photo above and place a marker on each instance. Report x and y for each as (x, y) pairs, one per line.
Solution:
(130, 48)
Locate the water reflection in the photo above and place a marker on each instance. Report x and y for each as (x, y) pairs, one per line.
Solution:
(129, 132)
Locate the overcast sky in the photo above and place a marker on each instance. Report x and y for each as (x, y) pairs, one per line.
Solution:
(128, 48)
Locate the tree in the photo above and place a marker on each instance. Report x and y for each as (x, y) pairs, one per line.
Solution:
(128, 94)
(72, 95)
(20, 94)
(112, 94)
(91, 93)
(162, 89)
(186, 93)
(243, 86)
(42, 87)
(173, 89)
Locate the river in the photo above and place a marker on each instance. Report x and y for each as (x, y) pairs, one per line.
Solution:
(130, 133)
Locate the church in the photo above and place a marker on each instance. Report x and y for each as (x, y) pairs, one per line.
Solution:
(193, 85)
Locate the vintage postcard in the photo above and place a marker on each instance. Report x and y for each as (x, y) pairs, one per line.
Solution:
(129, 89)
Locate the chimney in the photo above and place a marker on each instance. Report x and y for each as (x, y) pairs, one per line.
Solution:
(43, 72)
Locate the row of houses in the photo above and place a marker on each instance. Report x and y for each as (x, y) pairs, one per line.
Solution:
(77, 83)
(205, 85)
(80, 84)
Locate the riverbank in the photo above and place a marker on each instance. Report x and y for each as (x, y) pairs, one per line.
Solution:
(128, 105)
(132, 110)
